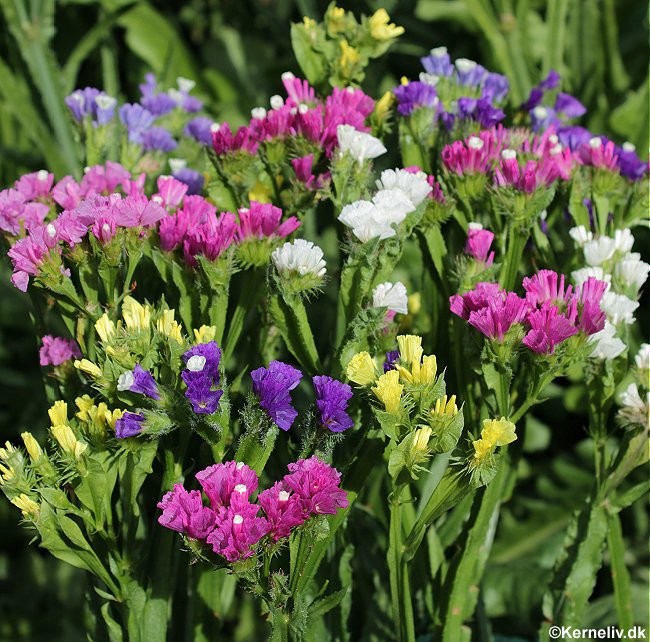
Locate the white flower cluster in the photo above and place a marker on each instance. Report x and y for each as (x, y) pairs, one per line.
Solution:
(392, 296)
(611, 260)
(301, 257)
(400, 192)
(359, 145)
(635, 406)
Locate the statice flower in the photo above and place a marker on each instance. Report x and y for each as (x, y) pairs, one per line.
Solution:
(129, 425)
(262, 220)
(137, 120)
(463, 305)
(438, 62)
(199, 129)
(91, 102)
(300, 257)
(57, 350)
(283, 510)
(201, 375)
(228, 484)
(478, 244)
(606, 344)
(332, 399)
(546, 286)
(392, 296)
(473, 156)
(618, 308)
(635, 411)
(414, 184)
(500, 313)
(35, 185)
(549, 327)
(359, 145)
(631, 272)
(184, 511)
(272, 386)
(237, 532)
(413, 95)
(158, 139)
(630, 165)
(140, 381)
(317, 485)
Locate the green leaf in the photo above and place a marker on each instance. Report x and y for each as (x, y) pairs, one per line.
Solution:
(630, 120)
(312, 63)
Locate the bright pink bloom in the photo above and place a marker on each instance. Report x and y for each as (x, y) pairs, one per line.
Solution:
(135, 187)
(70, 228)
(548, 329)
(228, 483)
(35, 185)
(283, 510)
(463, 304)
(184, 511)
(317, 485)
(298, 90)
(57, 350)
(104, 179)
(478, 245)
(534, 174)
(262, 220)
(104, 228)
(135, 211)
(210, 239)
(591, 318)
(239, 529)
(546, 287)
(473, 156)
(170, 191)
(223, 140)
(599, 154)
(500, 313)
(67, 193)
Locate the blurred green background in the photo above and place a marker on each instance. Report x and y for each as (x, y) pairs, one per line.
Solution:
(236, 51)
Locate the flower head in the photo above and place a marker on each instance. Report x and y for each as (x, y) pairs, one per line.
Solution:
(129, 425)
(361, 369)
(389, 390)
(392, 296)
(140, 381)
(283, 509)
(237, 532)
(228, 484)
(184, 511)
(548, 328)
(332, 399)
(57, 350)
(359, 145)
(272, 386)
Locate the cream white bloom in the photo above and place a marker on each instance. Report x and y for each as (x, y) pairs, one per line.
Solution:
(125, 381)
(634, 409)
(415, 186)
(392, 296)
(359, 145)
(375, 219)
(581, 275)
(642, 359)
(618, 308)
(607, 344)
(631, 271)
(623, 240)
(299, 256)
(580, 235)
(599, 250)
(196, 363)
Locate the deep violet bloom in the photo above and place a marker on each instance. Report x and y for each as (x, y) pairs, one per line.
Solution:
(201, 375)
(193, 179)
(57, 350)
(272, 386)
(413, 95)
(317, 485)
(332, 399)
(392, 356)
(140, 381)
(129, 425)
(184, 511)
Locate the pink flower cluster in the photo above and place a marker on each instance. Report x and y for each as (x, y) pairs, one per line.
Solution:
(550, 312)
(478, 245)
(301, 115)
(231, 523)
(525, 163)
(199, 231)
(57, 350)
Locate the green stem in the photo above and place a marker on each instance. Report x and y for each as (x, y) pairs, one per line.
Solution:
(399, 579)
(517, 240)
(248, 297)
(280, 626)
(620, 574)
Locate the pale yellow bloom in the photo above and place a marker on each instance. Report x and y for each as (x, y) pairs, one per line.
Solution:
(414, 303)
(349, 58)
(481, 450)
(88, 367)
(389, 391)
(445, 407)
(68, 441)
(383, 105)
(113, 416)
(27, 505)
(105, 328)
(335, 19)
(361, 369)
(410, 347)
(404, 81)
(308, 23)
(58, 413)
(136, 316)
(84, 404)
(381, 28)
(205, 333)
(33, 447)
(498, 432)
(7, 452)
(7, 473)
(169, 327)
(420, 373)
(421, 440)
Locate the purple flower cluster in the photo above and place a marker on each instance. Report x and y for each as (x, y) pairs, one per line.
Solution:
(57, 350)
(129, 425)
(91, 102)
(201, 375)
(231, 523)
(332, 399)
(550, 313)
(272, 386)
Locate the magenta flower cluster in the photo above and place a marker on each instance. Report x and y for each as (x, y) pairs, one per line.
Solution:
(57, 350)
(232, 524)
(550, 313)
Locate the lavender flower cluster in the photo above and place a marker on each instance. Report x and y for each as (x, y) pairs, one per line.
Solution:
(231, 523)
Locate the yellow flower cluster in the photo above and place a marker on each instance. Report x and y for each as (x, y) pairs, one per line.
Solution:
(62, 433)
(98, 416)
(205, 334)
(423, 370)
(495, 432)
(389, 391)
(444, 407)
(361, 369)
(381, 28)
